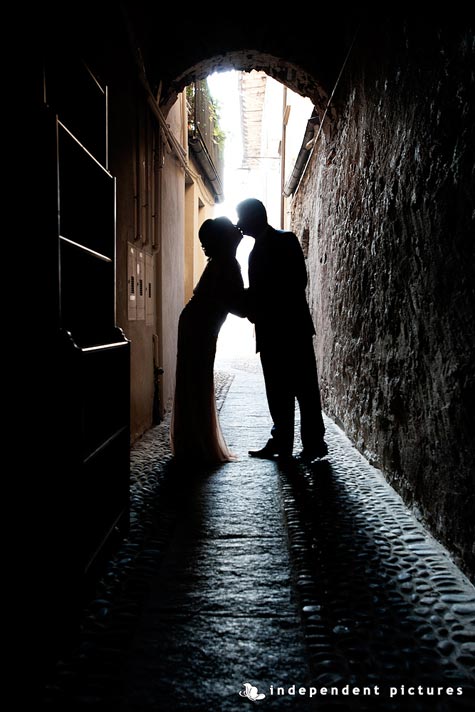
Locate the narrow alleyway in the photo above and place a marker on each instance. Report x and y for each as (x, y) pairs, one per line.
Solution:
(307, 582)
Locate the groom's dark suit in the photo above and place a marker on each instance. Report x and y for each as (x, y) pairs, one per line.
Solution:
(284, 337)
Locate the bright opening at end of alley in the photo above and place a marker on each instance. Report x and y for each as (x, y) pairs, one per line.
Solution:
(253, 167)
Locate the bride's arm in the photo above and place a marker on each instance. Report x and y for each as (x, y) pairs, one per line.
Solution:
(236, 294)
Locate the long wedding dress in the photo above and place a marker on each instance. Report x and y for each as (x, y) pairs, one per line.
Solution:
(195, 432)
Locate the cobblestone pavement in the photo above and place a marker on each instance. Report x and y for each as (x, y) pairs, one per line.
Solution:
(310, 582)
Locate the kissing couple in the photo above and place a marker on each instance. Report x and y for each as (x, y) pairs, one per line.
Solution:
(275, 302)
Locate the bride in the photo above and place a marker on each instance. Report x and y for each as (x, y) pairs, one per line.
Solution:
(195, 433)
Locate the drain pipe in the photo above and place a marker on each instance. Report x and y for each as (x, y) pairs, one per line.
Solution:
(302, 157)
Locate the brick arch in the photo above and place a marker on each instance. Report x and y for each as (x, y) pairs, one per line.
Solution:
(303, 50)
(288, 73)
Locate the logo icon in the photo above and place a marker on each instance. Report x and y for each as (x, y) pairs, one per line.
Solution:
(251, 692)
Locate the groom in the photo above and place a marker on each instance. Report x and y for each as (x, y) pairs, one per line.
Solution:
(278, 307)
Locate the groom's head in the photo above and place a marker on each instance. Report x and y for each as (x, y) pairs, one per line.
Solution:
(252, 217)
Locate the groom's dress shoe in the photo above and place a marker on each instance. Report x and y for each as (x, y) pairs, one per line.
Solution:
(270, 452)
(265, 453)
(314, 453)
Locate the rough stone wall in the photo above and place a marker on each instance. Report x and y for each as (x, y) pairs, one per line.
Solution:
(388, 204)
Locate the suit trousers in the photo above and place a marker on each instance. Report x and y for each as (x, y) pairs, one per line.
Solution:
(290, 373)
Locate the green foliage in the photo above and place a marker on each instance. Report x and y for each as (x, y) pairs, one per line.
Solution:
(218, 136)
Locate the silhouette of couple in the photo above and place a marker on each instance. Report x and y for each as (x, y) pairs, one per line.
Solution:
(276, 303)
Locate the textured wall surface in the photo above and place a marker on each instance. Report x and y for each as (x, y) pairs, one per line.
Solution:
(387, 202)
(171, 273)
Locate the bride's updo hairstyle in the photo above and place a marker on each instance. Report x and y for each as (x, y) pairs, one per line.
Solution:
(219, 237)
(208, 236)
(228, 236)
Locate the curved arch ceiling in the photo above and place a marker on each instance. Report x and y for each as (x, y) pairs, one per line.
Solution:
(303, 49)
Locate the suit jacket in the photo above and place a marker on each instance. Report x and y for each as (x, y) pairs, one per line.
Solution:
(277, 302)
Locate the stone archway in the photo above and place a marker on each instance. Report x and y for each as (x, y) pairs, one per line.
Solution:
(303, 52)
(287, 73)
